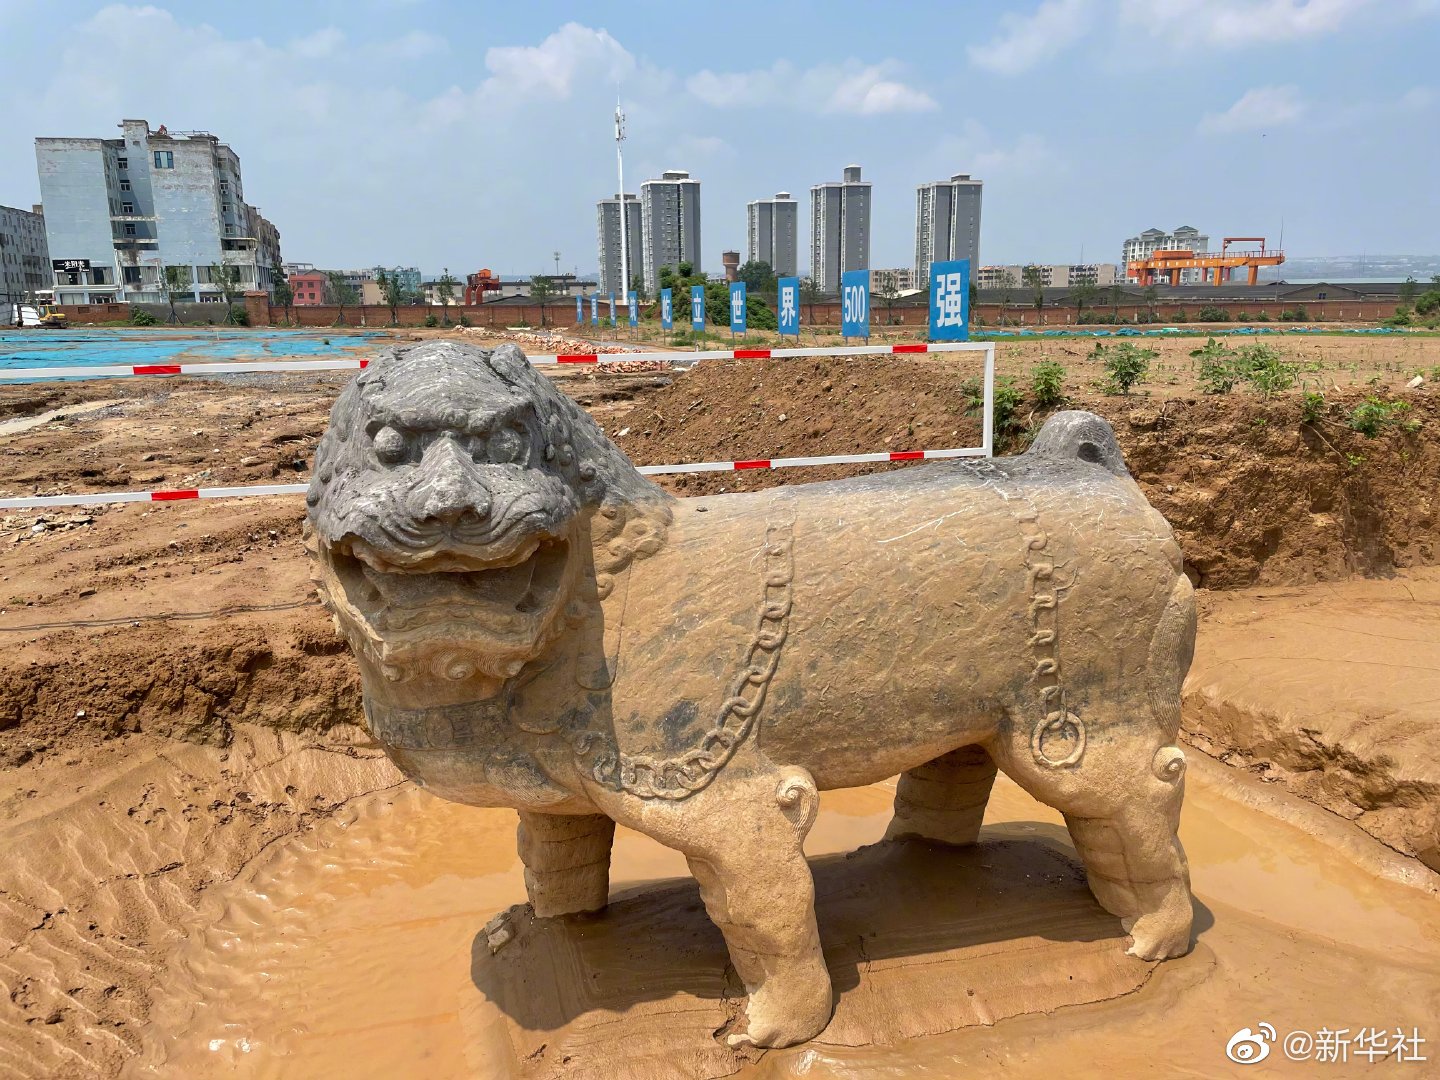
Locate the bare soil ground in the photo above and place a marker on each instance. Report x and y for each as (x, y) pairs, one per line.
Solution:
(173, 704)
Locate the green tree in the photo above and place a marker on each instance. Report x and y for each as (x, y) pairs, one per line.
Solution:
(1007, 288)
(1408, 289)
(1115, 302)
(174, 281)
(758, 276)
(888, 291)
(1151, 295)
(542, 291)
(393, 293)
(1082, 292)
(810, 295)
(342, 292)
(445, 290)
(281, 291)
(1034, 279)
(974, 301)
(227, 277)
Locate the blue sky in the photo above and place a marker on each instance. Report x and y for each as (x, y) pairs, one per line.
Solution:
(467, 134)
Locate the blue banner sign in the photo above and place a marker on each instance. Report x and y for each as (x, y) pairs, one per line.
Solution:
(612, 309)
(737, 307)
(634, 308)
(594, 309)
(579, 311)
(667, 311)
(787, 298)
(697, 308)
(950, 300)
(855, 304)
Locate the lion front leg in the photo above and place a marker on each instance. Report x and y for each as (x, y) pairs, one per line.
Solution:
(758, 890)
(567, 861)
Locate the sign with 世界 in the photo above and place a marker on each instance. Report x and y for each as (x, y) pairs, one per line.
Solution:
(737, 307)
(787, 299)
(950, 300)
(667, 311)
(855, 304)
(697, 308)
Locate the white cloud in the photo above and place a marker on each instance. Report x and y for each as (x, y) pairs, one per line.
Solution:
(1419, 98)
(1028, 40)
(552, 68)
(973, 149)
(851, 88)
(1258, 109)
(324, 42)
(1256, 22)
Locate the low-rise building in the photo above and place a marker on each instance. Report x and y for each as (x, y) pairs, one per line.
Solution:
(1186, 237)
(311, 287)
(1052, 275)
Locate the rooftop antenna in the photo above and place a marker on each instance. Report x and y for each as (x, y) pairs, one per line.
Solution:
(624, 232)
(557, 262)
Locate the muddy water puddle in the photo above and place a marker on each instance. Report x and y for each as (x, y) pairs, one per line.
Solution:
(347, 952)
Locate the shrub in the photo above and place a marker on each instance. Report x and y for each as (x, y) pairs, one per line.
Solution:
(141, 317)
(1374, 416)
(1211, 313)
(1125, 365)
(1178, 315)
(1400, 318)
(431, 320)
(238, 317)
(1047, 383)
(464, 320)
(1264, 316)
(1218, 372)
(1007, 405)
(1242, 316)
(1295, 314)
(1428, 303)
(1263, 368)
(1312, 407)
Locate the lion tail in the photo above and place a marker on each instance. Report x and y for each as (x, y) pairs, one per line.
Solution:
(1074, 435)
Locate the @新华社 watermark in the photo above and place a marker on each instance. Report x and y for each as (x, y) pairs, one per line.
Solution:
(1326, 1045)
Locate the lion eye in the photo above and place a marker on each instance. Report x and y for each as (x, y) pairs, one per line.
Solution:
(390, 446)
(506, 446)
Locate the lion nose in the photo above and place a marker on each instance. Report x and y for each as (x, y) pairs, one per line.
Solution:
(449, 487)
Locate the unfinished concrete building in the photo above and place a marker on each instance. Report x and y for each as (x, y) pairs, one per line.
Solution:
(119, 211)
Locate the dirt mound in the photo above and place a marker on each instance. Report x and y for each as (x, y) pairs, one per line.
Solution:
(1256, 494)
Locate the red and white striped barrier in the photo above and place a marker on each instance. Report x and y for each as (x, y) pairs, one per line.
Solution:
(985, 449)
(246, 367)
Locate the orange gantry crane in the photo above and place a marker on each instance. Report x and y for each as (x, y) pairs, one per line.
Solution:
(477, 285)
(1170, 261)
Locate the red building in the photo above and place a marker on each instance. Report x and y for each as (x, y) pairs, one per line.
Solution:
(308, 287)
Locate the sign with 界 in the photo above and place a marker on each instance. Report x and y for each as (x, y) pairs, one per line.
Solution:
(787, 301)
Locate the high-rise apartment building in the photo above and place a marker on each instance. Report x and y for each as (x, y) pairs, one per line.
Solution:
(607, 215)
(947, 224)
(24, 258)
(839, 228)
(119, 211)
(1186, 237)
(670, 224)
(773, 233)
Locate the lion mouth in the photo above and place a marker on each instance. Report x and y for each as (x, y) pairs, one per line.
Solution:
(507, 597)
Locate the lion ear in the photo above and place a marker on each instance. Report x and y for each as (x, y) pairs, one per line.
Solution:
(509, 362)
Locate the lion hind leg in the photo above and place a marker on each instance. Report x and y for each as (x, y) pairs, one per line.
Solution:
(944, 799)
(567, 861)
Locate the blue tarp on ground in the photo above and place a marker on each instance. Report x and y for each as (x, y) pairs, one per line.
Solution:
(81, 348)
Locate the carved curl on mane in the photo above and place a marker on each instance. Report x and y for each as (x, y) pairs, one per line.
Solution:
(632, 514)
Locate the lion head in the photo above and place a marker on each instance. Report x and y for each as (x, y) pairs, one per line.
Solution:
(462, 507)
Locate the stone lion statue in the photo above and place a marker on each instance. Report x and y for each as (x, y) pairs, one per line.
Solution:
(539, 626)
